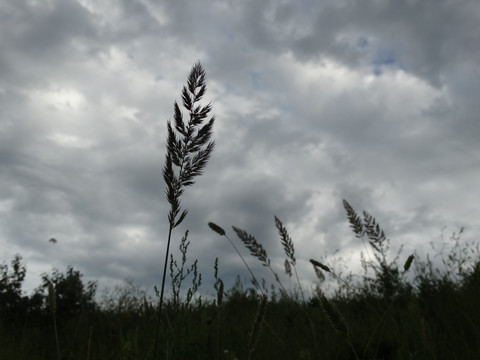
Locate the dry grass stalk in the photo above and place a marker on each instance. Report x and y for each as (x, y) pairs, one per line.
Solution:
(89, 345)
(52, 299)
(333, 316)
(287, 244)
(257, 326)
(354, 220)
(288, 268)
(188, 151)
(318, 267)
(373, 230)
(219, 230)
(220, 292)
(286, 241)
(256, 249)
(337, 321)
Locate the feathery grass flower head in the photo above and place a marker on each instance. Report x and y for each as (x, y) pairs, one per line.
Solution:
(286, 241)
(333, 316)
(188, 143)
(256, 249)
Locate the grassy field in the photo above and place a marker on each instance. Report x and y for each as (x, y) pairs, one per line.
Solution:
(434, 319)
(434, 314)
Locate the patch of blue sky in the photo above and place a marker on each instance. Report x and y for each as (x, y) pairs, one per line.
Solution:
(385, 58)
(255, 78)
(362, 42)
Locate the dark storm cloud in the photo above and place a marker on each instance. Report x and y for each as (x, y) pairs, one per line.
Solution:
(43, 34)
(371, 101)
(422, 37)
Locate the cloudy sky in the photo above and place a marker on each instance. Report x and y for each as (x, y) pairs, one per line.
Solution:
(316, 101)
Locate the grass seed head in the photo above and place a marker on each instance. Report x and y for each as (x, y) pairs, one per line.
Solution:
(286, 240)
(332, 315)
(256, 329)
(408, 263)
(216, 228)
(256, 249)
(320, 265)
(288, 268)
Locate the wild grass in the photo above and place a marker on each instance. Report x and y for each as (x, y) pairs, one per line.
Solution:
(290, 261)
(188, 150)
(222, 232)
(258, 251)
(379, 314)
(52, 300)
(438, 320)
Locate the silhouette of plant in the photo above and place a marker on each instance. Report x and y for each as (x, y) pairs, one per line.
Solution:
(188, 151)
(388, 280)
(12, 304)
(72, 296)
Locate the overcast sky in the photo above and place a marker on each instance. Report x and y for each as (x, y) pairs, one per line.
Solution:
(371, 101)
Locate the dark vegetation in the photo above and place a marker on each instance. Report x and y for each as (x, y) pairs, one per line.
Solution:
(400, 307)
(435, 315)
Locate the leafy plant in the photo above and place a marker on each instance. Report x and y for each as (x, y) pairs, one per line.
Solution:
(72, 296)
(179, 273)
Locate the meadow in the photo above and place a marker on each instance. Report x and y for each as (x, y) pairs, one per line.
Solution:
(400, 307)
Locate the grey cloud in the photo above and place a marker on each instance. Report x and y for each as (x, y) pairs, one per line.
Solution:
(44, 30)
(423, 36)
(295, 134)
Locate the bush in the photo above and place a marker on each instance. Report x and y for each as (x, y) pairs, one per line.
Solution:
(13, 305)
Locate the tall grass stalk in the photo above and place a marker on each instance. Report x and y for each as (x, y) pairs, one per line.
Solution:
(188, 151)
(258, 251)
(52, 299)
(287, 243)
(257, 326)
(220, 231)
(219, 287)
